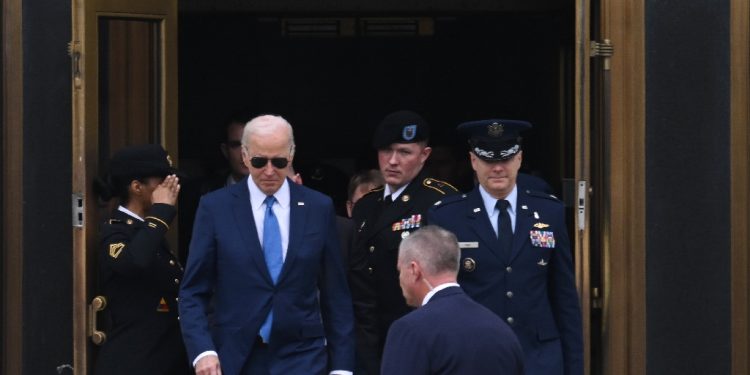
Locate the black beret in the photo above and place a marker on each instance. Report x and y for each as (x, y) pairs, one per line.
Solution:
(150, 160)
(400, 127)
(494, 139)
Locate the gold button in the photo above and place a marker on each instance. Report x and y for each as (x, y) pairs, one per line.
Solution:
(370, 270)
(177, 299)
(510, 320)
(171, 262)
(176, 281)
(509, 294)
(508, 269)
(372, 248)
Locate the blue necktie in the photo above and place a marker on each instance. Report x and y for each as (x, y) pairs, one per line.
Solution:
(272, 253)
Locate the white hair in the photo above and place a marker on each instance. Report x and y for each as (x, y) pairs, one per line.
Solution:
(267, 124)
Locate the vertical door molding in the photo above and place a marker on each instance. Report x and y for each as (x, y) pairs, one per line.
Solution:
(625, 241)
(12, 201)
(740, 181)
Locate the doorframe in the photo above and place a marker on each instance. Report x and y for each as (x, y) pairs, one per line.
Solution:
(12, 195)
(739, 182)
(624, 237)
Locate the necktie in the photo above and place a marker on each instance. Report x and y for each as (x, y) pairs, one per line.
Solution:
(388, 200)
(504, 230)
(272, 253)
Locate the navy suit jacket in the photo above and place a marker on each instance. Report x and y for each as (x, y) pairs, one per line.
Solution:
(313, 318)
(453, 335)
(533, 287)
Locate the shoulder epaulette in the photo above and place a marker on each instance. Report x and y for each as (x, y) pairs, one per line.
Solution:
(453, 198)
(375, 190)
(440, 186)
(540, 194)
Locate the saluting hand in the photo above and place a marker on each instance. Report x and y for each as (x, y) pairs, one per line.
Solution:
(167, 191)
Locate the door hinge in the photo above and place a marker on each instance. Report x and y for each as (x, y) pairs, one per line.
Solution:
(596, 298)
(581, 204)
(603, 49)
(74, 51)
(77, 210)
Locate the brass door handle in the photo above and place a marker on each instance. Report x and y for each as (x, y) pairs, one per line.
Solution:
(99, 303)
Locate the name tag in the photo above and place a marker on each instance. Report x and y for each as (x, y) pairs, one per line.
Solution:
(468, 245)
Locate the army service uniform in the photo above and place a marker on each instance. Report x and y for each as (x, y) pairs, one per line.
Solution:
(140, 278)
(379, 229)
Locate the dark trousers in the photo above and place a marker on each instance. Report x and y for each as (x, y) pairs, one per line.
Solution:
(257, 362)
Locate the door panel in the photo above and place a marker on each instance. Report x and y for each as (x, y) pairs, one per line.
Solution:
(124, 56)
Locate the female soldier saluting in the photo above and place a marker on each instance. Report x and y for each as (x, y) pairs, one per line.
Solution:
(138, 273)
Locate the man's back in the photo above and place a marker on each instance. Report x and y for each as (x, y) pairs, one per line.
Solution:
(451, 334)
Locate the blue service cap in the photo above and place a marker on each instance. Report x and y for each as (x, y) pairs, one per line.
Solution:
(400, 127)
(494, 139)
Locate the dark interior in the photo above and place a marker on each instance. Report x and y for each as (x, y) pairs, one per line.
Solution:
(334, 89)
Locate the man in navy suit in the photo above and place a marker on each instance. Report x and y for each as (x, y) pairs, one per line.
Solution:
(515, 252)
(449, 333)
(265, 250)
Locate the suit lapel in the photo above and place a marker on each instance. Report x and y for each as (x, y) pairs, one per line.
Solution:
(297, 225)
(479, 222)
(523, 223)
(243, 214)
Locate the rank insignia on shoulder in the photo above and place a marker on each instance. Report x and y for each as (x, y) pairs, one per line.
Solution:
(115, 249)
(438, 203)
(163, 307)
(541, 225)
(542, 238)
(412, 222)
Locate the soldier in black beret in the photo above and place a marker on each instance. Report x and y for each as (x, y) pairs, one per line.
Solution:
(382, 218)
(138, 274)
(516, 257)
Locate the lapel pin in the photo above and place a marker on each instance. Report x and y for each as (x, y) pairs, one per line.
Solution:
(477, 210)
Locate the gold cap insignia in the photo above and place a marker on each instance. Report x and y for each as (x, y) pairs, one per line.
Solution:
(470, 265)
(115, 249)
(541, 225)
(495, 129)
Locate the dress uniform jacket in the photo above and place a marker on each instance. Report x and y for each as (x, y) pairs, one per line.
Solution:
(140, 278)
(373, 275)
(451, 335)
(533, 287)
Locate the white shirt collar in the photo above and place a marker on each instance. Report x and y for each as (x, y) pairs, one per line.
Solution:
(394, 195)
(131, 213)
(435, 290)
(257, 197)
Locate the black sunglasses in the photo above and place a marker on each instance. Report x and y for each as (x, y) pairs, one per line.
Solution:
(261, 162)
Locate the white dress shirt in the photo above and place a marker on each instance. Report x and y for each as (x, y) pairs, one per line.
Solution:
(436, 289)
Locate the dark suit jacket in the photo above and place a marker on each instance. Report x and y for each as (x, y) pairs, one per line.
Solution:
(311, 301)
(453, 335)
(533, 288)
(140, 277)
